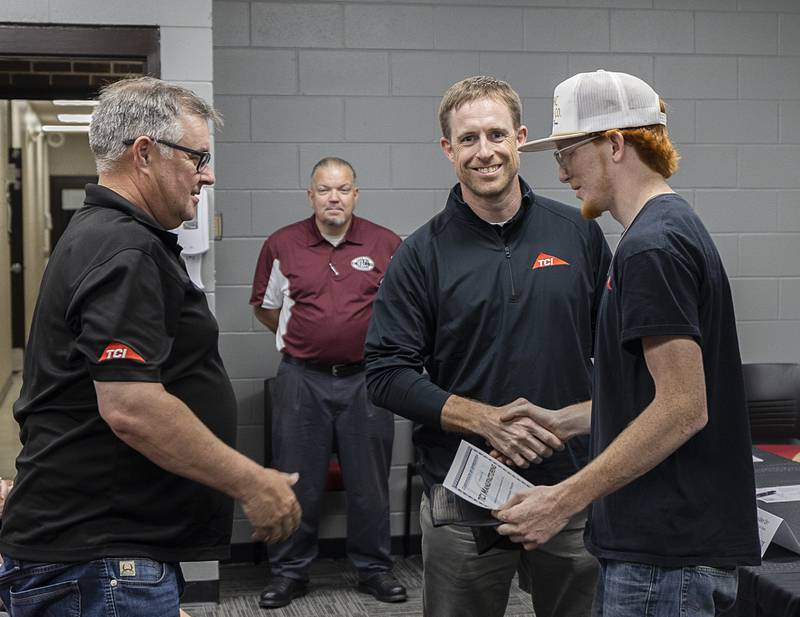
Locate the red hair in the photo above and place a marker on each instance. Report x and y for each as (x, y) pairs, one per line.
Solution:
(653, 145)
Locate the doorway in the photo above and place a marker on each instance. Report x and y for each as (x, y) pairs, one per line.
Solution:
(66, 197)
(40, 171)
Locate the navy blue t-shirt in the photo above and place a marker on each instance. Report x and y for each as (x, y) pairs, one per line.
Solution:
(697, 507)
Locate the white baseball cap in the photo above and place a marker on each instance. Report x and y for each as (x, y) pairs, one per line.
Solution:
(595, 102)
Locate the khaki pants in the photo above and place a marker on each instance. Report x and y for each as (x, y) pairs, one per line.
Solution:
(457, 582)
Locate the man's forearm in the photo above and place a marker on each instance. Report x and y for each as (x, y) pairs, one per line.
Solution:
(268, 317)
(573, 420)
(677, 412)
(663, 427)
(462, 415)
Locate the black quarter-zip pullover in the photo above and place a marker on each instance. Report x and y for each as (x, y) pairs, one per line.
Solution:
(490, 317)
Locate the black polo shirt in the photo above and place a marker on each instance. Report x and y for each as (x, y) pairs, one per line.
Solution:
(697, 507)
(115, 304)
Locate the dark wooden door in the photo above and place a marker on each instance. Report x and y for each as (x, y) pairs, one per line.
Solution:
(66, 198)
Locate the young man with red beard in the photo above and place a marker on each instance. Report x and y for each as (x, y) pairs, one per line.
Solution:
(671, 481)
(495, 299)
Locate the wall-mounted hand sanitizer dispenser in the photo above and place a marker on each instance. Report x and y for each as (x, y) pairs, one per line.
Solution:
(193, 237)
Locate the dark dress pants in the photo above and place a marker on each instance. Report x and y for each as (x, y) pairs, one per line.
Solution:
(308, 409)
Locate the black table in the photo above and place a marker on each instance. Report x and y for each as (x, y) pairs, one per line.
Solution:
(773, 588)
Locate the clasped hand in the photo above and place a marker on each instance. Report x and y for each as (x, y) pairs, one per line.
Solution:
(271, 506)
(532, 516)
(519, 435)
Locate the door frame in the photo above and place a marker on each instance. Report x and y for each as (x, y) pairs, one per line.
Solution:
(63, 41)
(101, 42)
(57, 184)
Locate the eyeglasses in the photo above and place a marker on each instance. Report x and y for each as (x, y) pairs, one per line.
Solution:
(559, 155)
(203, 156)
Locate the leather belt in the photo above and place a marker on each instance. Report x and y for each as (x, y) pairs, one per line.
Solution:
(336, 370)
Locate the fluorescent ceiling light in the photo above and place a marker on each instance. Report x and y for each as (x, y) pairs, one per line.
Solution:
(75, 118)
(72, 103)
(65, 128)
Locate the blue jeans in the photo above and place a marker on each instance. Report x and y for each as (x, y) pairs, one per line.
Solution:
(628, 589)
(111, 587)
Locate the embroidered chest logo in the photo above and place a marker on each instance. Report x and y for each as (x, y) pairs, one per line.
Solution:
(546, 261)
(365, 264)
(127, 568)
(119, 351)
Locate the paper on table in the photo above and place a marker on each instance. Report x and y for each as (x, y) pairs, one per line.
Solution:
(757, 460)
(768, 524)
(777, 494)
(481, 479)
(773, 528)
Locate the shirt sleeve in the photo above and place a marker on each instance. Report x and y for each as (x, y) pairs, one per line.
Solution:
(398, 341)
(659, 293)
(268, 280)
(125, 312)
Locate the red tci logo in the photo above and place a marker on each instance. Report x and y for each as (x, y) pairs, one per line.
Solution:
(545, 261)
(119, 351)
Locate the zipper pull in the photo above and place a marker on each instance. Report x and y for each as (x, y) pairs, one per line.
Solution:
(508, 252)
(333, 268)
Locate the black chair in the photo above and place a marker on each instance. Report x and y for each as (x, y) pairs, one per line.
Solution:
(773, 401)
(411, 471)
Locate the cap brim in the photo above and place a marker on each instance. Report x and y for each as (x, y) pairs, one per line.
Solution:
(548, 143)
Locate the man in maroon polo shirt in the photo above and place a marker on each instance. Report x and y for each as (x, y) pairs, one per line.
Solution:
(313, 287)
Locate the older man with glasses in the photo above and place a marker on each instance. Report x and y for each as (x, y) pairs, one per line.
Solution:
(127, 415)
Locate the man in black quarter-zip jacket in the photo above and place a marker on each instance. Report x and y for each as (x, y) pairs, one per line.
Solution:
(495, 297)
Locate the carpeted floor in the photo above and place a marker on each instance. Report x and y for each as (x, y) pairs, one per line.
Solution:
(331, 594)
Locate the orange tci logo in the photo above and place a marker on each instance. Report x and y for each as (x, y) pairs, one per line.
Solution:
(545, 261)
(119, 351)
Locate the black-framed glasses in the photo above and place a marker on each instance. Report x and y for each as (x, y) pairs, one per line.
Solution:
(559, 155)
(203, 156)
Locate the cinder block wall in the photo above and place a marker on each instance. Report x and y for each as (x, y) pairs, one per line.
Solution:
(362, 80)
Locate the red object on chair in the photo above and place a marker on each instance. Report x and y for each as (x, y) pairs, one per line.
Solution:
(334, 480)
(786, 450)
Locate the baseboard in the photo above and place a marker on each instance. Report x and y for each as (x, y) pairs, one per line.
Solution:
(196, 592)
(331, 548)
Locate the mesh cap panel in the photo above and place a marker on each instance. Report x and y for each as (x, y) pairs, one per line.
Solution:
(598, 101)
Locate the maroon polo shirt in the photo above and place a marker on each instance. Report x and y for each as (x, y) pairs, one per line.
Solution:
(325, 293)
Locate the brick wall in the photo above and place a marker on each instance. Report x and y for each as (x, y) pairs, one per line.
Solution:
(362, 80)
(43, 73)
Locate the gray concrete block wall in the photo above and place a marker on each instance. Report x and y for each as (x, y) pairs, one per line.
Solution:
(362, 79)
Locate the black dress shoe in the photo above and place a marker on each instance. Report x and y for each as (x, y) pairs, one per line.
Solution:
(384, 586)
(280, 591)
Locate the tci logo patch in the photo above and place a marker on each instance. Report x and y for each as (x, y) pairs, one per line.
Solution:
(119, 351)
(365, 264)
(545, 261)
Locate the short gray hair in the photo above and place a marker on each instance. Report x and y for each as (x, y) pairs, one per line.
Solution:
(130, 108)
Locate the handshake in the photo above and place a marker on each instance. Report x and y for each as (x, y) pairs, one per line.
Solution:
(521, 433)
